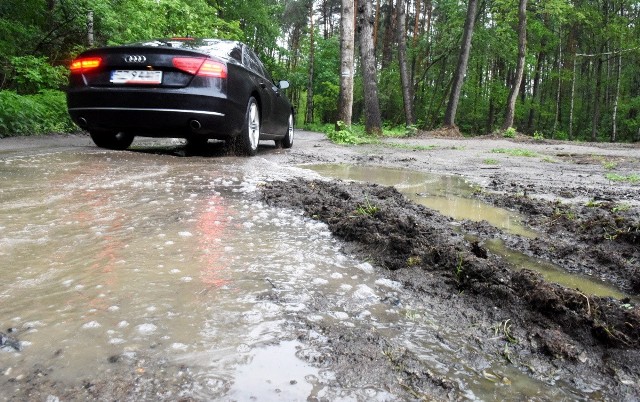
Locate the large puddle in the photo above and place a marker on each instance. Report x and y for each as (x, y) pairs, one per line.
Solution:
(117, 264)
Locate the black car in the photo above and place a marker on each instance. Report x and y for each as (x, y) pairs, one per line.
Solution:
(198, 89)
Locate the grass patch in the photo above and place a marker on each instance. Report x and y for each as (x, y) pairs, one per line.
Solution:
(622, 207)
(412, 147)
(514, 152)
(490, 162)
(632, 178)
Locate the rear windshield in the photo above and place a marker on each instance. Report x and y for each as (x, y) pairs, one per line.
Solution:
(213, 47)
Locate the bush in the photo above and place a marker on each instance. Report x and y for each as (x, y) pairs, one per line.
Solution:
(33, 74)
(351, 135)
(44, 112)
(509, 133)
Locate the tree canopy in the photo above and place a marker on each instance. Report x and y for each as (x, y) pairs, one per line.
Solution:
(581, 78)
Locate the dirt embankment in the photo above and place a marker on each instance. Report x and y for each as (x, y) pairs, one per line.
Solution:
(550, 328)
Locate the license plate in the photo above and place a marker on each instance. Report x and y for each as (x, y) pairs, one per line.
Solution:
(136, 77)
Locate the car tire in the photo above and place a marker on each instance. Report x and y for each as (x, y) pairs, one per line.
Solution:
(247, 142)
(287, 141)
(111, 139)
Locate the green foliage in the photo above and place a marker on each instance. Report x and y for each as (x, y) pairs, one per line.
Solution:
(538, 136)
(37, 37)
(509, 133)
(45, 112)
(166, 18)
(325, 101)
(32, 74)
(349, 135)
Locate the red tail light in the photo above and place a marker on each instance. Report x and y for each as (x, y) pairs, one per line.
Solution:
(85, 64)
(201, 66)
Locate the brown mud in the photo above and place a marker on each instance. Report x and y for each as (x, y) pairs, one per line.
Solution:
(585, 225)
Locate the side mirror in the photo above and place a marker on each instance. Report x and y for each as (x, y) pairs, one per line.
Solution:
(283, 84)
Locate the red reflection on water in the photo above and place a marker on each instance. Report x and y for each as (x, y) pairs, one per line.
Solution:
(213, 224)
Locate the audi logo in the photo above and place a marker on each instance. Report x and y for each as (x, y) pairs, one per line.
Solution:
(135, 59)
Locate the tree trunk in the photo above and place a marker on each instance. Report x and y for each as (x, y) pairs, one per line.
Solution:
(614, 129)
(556, 120)
(534, 94)
(347, 42)
(522, 48)
(372, 118)
(402, 59)
(389, 33)
(376, 26)
(595, 124)
(573, 96)
(309, 115)
(461, 68)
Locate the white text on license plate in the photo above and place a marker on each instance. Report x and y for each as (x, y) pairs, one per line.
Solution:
(136, 77)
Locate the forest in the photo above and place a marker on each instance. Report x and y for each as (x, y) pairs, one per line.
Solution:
(557, 69)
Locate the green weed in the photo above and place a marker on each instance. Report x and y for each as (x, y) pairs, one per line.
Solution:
(632, 178)
(621, 208)
(413, 147)
(504, 330)
(459, 269)
(351, 135)
(514, 152)
(490, 162)
(509, 133)
(367, 209)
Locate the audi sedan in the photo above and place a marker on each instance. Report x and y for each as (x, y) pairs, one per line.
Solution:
(197, 89)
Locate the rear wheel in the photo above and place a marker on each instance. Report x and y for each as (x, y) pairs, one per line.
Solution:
(247, 141)
(287, 141)
(111, 139)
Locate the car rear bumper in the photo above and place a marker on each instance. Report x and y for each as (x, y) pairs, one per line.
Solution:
(163, 114)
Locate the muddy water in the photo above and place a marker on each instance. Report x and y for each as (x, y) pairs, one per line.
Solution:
(121, 264)
(450, 195)
(554, 273)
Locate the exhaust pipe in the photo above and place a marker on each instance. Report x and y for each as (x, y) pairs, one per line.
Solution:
(195, 125)
(82, 122)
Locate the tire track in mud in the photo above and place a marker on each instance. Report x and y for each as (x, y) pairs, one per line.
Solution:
(587, 339)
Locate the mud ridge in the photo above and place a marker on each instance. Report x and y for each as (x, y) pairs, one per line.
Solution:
(421, 248)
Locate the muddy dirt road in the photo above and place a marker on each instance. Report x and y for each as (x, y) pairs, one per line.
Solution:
(148, 275)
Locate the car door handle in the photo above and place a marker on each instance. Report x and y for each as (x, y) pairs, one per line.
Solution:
(263, 85)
